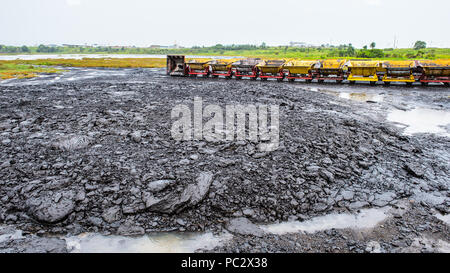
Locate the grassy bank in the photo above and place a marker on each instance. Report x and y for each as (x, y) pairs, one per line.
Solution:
(95, 62)
(31, 68)
(21, 71)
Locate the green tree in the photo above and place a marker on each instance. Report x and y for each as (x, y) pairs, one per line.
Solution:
(25, 49)
(374, 53)
(43, 48)
(420, 45)
(12, 49)
(365, 47)
(350, 50)
(373, 45)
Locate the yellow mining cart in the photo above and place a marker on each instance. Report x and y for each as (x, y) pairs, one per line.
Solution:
(221, 68)
(363, 71)
(399, 71)
(198, 67)
(331, 70)
(271, 69)
(434, 71)
(300, 69)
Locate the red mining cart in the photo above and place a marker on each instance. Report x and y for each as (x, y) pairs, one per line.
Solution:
(246, 68)
(198, 67)
(331, 70)
(271, 69)
(434, 71)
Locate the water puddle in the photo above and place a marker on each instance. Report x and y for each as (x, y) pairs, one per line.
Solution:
(168, 242)
(421, 120)
(354, 96)
(367, 218)
(362, 97)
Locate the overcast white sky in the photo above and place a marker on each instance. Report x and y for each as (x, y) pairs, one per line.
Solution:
(208, 22)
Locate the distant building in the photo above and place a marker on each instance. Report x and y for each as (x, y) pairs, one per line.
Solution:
(297, 44)
(67, 45)
(161, 46)
(300, 44)
(174, 46)
(120, 47)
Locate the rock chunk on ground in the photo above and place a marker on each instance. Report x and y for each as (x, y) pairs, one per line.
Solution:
(383, 199)
(129, 229)
(173, 202)
(157, 186)
(243, 226)
(111, 215)
(46, 209)
(414, 170)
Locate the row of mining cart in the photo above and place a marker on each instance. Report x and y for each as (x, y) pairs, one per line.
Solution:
(371, 71)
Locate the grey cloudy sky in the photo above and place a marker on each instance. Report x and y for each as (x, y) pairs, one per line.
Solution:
(208, 22)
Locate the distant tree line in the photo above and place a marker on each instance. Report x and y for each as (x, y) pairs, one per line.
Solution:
(324, 51)
(14, 49)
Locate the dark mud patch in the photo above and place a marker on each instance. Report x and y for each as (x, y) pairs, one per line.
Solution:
(101, 152)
